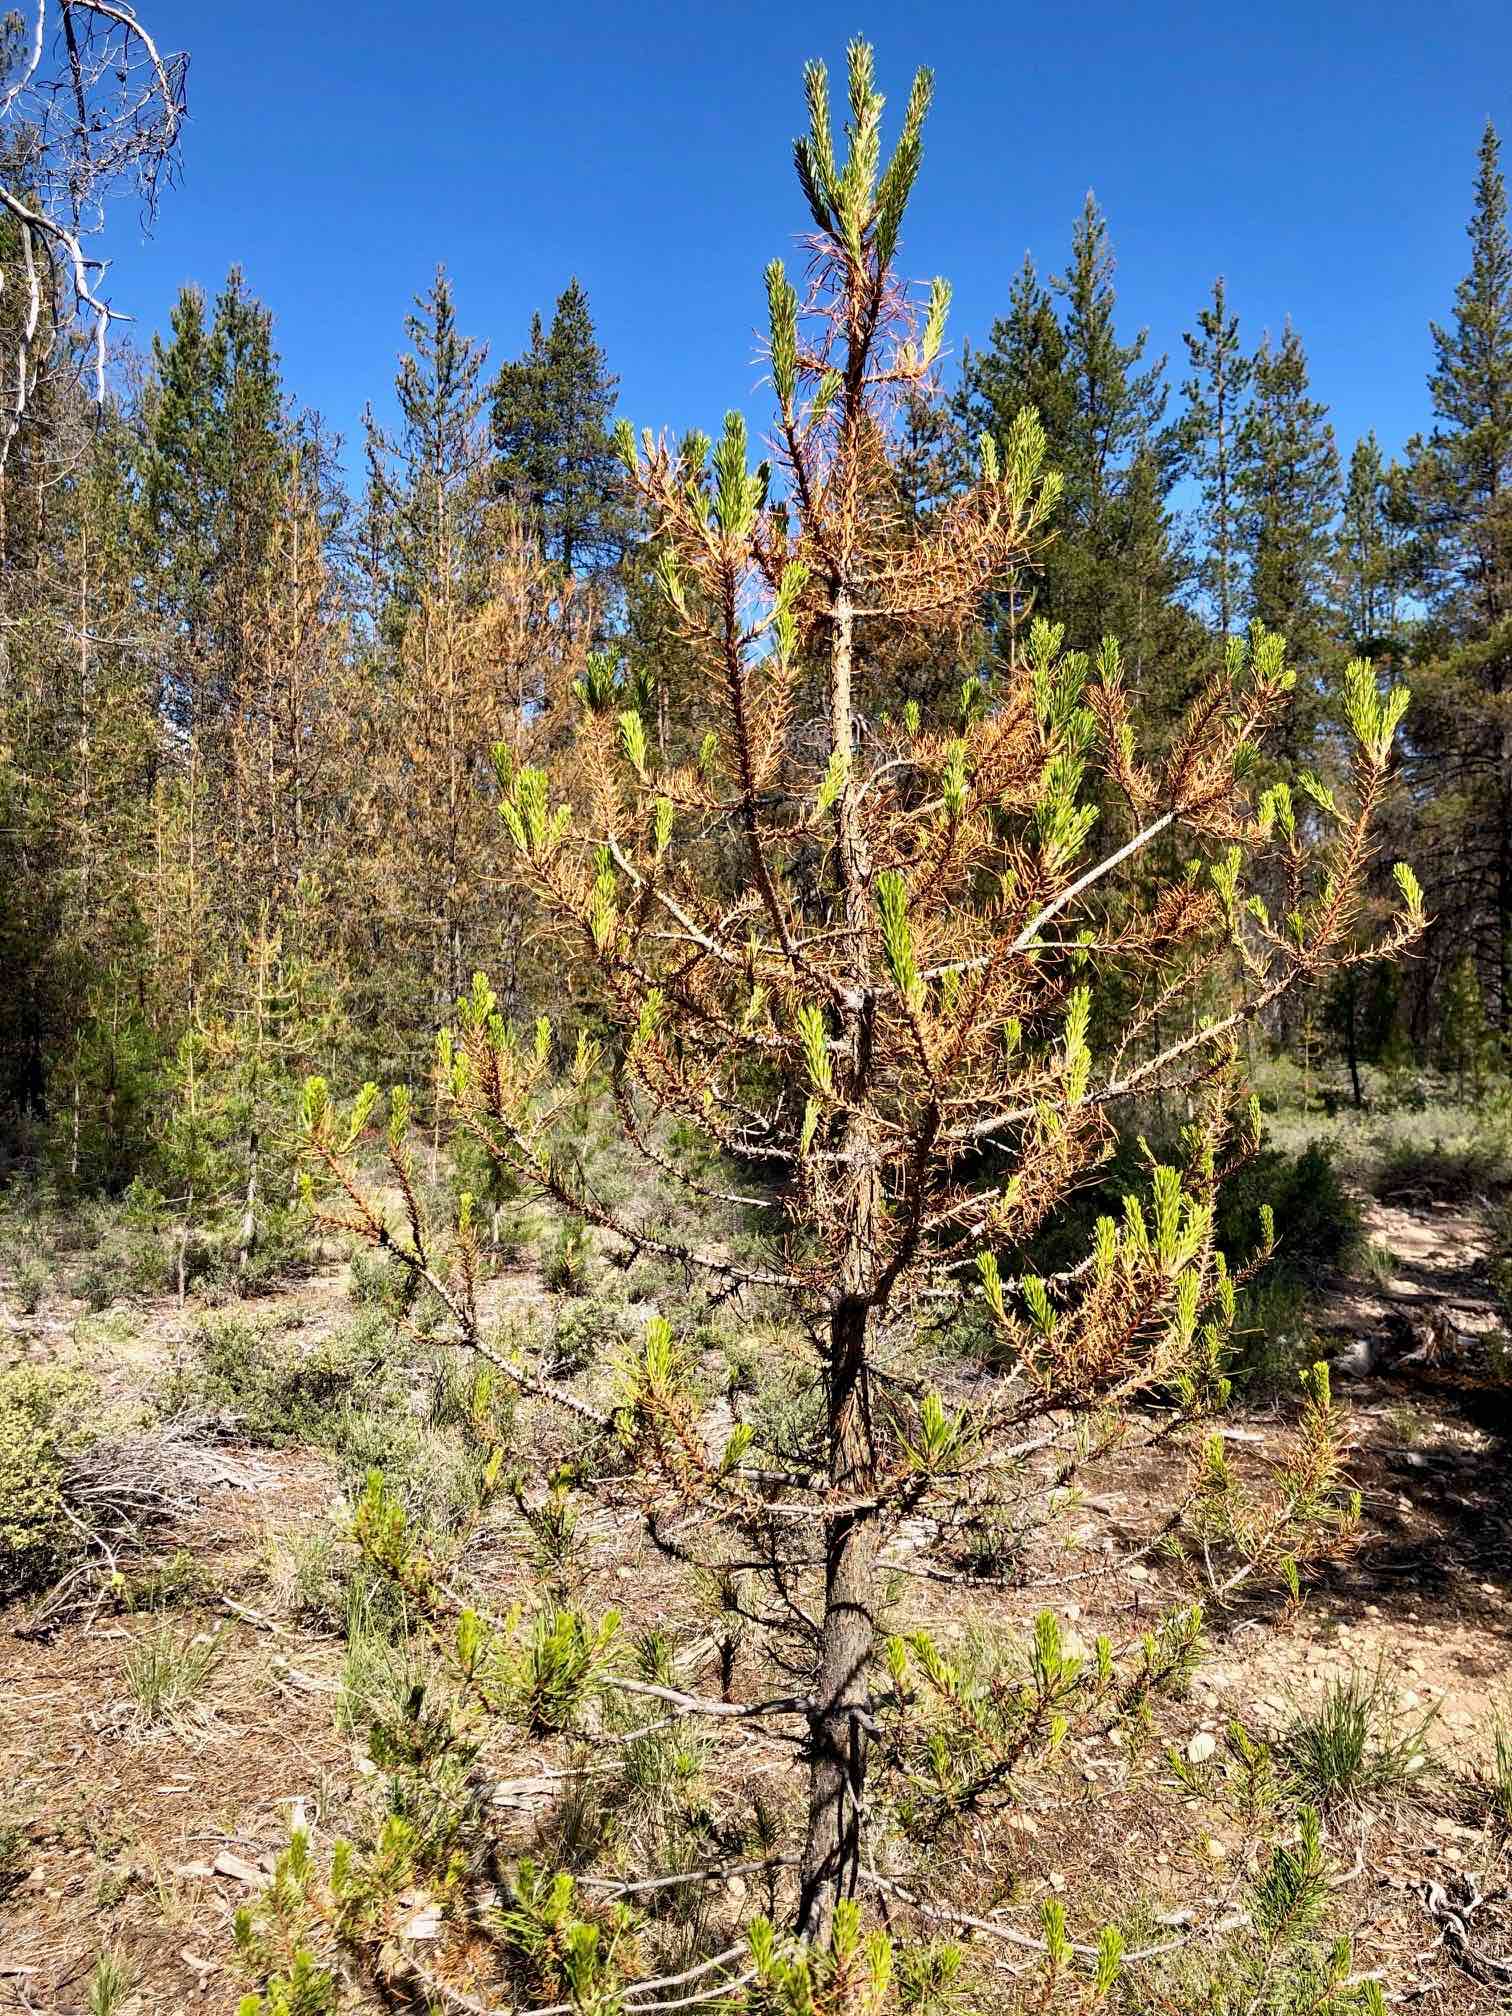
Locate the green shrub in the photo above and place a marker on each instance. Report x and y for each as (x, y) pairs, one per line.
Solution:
(788, 1415)
(40, 1419)
(31, 1286)
(1319, 1226)
(378, 1281)
(565, 1265)
(588, 1331)
(273, 1390)
(1445, 1169)
(95, 1285)
(281, 1253)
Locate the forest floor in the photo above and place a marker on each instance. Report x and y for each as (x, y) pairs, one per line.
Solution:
(135, 1831)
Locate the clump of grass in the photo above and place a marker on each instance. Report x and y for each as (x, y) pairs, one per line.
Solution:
(13, 1839)
(1408, 1426)
(381, 1680)
(440, 1478)
(1377, 1264)
(1496, 1780)
(164, 1584)
(166, 1675)
(1357, 1744)
(110, 1983)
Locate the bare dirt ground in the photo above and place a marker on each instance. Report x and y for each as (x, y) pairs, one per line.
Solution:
(144, 1839)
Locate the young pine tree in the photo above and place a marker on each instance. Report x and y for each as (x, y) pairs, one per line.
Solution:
(1209, 431)
(1460, 490)
(426, 480)
(890, 964)
(1368, 553)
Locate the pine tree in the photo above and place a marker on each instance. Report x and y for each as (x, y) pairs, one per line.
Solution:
(1023, 365)
(552, 420)
(427, 481)
(1209, 432)
(1368, 554)
(304, 719)
(1115, 567)
(78, 737)
(475, 647)
(1463, 471)
(225, 1142)
(1115, 464)
(1288, 484)
(176, 528)
(1460, 494)
(905, 1015)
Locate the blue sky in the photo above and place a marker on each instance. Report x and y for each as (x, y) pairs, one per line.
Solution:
(1319, 155)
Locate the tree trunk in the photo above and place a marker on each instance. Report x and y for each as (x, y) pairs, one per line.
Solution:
(837, 1767)
(1352, 1041)
(1504, 902)
(249, 1211)
(852, 1541)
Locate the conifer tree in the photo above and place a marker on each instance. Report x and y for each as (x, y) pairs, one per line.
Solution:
(1114, 566)
(552, 435)
(474, 648)
(1210, 429)
(1459, 491)
(224, 1152)
(176, 528)
(1023, 364)
(426, 482)
(208, 491)
(1288, 485)
(917, 1010)
(1116, 466)
(303, 722)
(1368, 557)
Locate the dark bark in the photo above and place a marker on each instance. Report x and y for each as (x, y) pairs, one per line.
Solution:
(840, 1720)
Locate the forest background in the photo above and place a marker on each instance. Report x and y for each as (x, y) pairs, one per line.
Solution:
(258, 684)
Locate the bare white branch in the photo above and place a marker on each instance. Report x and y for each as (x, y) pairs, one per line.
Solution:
(106, 114)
